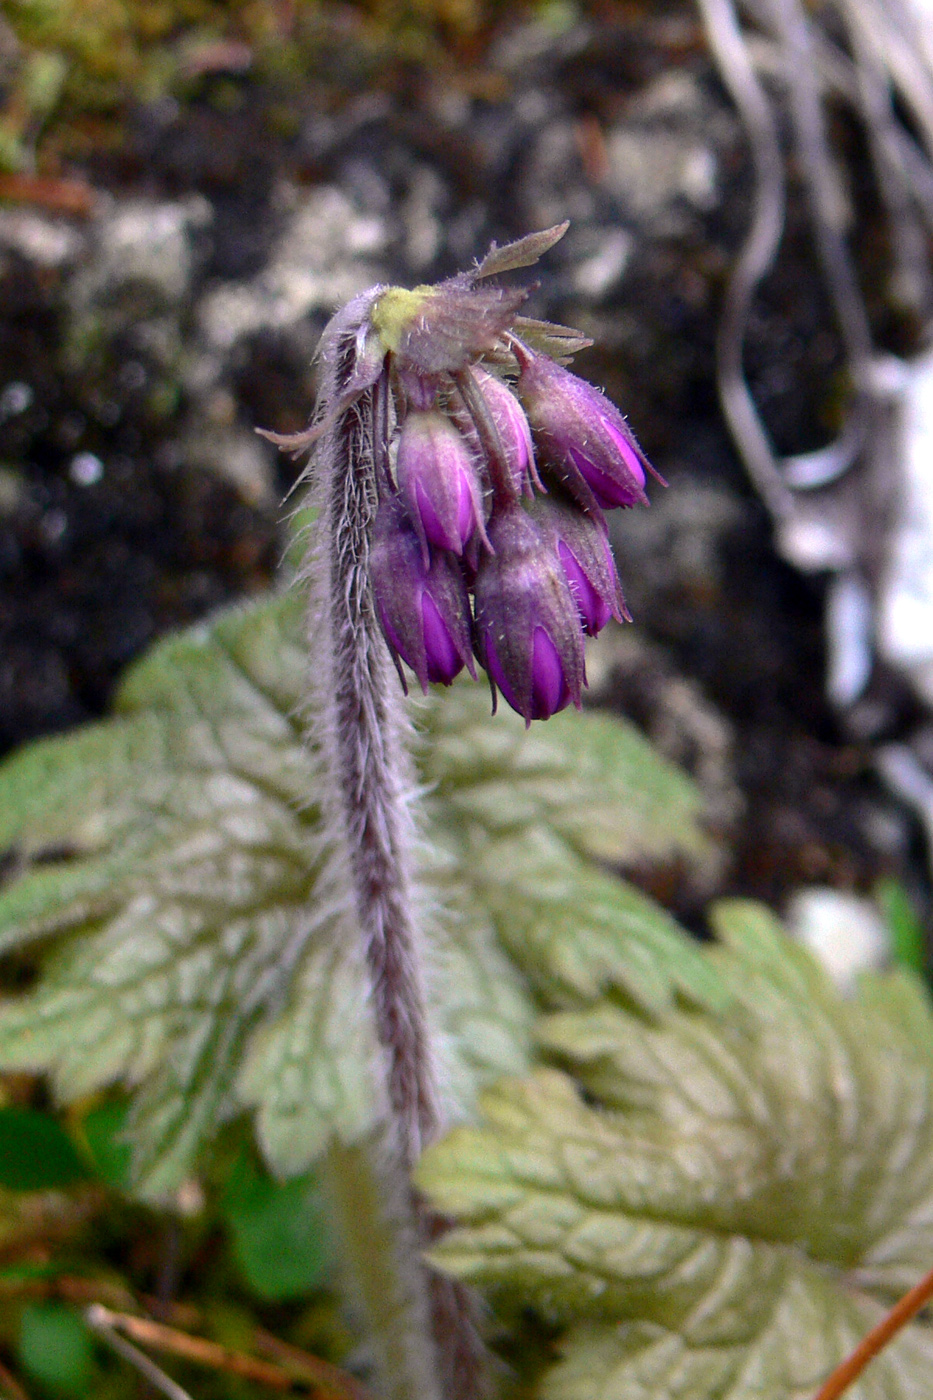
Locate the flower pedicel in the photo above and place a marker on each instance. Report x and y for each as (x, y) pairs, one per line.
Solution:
(492, 465)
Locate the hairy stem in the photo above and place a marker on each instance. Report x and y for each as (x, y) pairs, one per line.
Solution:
(377, 1245)
(433, 1353)
(371, 775)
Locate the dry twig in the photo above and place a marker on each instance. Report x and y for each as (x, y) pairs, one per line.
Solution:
(301, 1366)
(877, 1339)
(297, 1367)
(99, 1319)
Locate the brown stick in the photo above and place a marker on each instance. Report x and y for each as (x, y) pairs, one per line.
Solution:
(300, 1365)
(196, 1349)
(73, 1290)
(323, 1376)
(113, 1302)
(877, 1339)
(157, 1378)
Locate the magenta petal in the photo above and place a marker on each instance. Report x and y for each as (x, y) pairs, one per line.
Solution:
(626, 452)
(466, 515)
(437, 481)
(444, 661)
(549, 691)
(584, 438)
(423, 605)
(594, 610)
(527, 624)
(433, 525)
(392, 636)
(512, 427)
(609, 492)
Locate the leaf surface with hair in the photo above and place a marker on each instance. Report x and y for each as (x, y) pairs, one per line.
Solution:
(170, 869)
(733, 1201)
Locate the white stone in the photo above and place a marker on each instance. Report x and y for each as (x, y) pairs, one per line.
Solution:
(145, 241)
(319, 262)
(905, 605)
(598, 274)
(41, 240)
(844, 931)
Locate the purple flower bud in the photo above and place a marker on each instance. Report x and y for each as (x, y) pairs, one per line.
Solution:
(586, 557)
(511, 427)
(423, 608)
(527, 624)
(583, 436)
(438, 482)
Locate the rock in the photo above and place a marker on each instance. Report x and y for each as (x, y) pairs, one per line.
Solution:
(845, 932)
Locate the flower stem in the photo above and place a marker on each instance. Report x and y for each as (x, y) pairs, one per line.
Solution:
(379, 1255)
(371, 773)
(434, 1354)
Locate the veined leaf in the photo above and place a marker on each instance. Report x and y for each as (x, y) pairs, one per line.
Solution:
(306, 1072)
(739, 1198)
(197, 905)
(172, 870)
(523, 814)
(904, 927)
(589, 779)
(575, 931)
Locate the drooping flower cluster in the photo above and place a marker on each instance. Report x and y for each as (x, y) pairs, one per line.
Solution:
(493, 466)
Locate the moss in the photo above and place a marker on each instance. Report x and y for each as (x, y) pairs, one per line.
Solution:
(111, 54)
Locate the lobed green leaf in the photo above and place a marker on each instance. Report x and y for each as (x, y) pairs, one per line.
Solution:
(278, 1229)
(736, 1201)
(171, 866)
(55, 1349)
(588, 778)
(575, 931)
